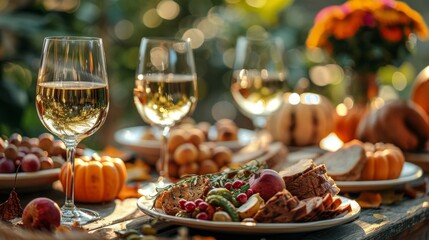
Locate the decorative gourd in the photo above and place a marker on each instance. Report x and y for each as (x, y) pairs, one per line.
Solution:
(303, 119)
(420, 90)
(347, 121)
(96, 179)
(384, 161)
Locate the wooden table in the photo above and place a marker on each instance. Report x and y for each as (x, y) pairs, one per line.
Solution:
(406, 219)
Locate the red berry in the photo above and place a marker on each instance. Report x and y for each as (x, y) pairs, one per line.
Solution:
(182, 203)
(202, 216)
(237, 184)
(198, 201)
(249, 192)
(190, 206)
(227, 185)
(203, 206)
(242, 198)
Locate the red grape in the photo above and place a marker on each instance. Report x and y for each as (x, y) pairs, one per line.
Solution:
(242, 198)
(190, 206)
(237, 184)
(182, 203)
(202, 216)
(203, 206)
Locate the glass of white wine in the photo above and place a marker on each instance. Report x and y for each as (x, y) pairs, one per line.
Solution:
(165, 87)
(72, 101)
(258, 79)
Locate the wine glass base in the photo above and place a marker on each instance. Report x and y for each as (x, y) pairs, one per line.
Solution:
(79, 215)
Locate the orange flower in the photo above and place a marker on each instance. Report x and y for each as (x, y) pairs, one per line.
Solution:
(370, 25)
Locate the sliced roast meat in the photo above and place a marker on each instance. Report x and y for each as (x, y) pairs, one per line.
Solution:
(314, 207)
(291, 173)
(345, 164)
(276, 209)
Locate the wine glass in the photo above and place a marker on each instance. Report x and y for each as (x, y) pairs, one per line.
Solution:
(165, 87)
(258, 79)
(72, 101)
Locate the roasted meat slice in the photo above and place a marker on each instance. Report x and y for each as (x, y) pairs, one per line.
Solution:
(276, 209)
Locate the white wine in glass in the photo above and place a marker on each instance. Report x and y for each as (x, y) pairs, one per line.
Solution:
(165, 87)
(72, 101)
(258, 78)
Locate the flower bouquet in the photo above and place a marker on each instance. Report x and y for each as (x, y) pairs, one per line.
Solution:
(367, 34)
(362, 36)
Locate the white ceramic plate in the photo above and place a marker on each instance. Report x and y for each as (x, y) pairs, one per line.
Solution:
(30, 180)
(145, 205)
(132, 138)
(410, 172)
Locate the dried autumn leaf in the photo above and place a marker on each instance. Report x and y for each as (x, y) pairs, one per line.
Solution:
(129, 192)
(390, 197)
(369, 200)
(11, 208)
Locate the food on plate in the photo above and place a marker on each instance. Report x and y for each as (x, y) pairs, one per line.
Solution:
(97, 179)
(364, 161)
(42, 214)
(7, 166)
(306, 179)
(303, 120)
(260, 181)
(346, 164)
(228, 196)
(402, 123)
(30, 163)
(33, 154)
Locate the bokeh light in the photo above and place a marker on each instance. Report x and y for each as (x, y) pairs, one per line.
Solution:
(151, 19)
(223, 109)
(328, 74)
(208, 28)
(61, 6)
(168, 9)
(256, 3)
(124, 29)
(257, 32)
(399, 81)
(196, 36)
(228, 57)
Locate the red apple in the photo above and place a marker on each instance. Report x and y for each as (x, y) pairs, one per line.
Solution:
(41, 213)
(30, 163)
(7, 166)
(267, 183)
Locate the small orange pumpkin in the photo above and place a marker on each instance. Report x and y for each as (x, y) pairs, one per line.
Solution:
(384, 161)
(96, 179)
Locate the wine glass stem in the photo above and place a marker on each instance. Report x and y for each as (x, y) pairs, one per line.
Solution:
(164, 153)
(259, 123)
(69, 207)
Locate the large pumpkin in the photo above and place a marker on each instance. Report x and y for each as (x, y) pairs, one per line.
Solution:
(303, 119)
(96, 179)
(420, 90)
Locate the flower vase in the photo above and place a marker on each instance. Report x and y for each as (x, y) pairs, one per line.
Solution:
(361, 91)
